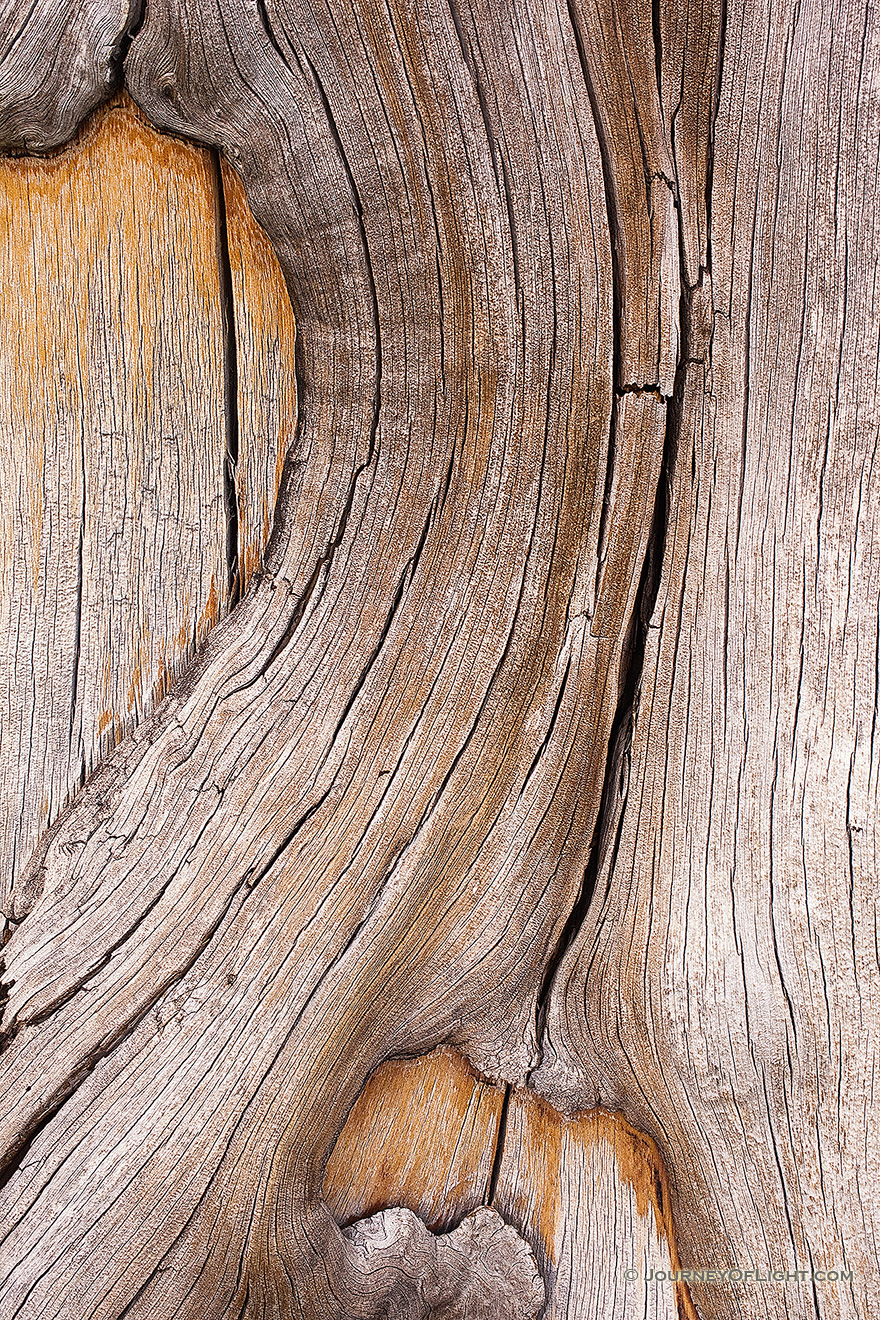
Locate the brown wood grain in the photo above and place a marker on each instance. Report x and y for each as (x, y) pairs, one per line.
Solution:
(588, 1192)
(724, 990)
(114, 426)
(546, 730)
(423, 1134)
(337, 747)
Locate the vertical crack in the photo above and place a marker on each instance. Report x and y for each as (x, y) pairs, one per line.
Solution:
(657, 35)
(77, 622)
(609, 821)
(615, 233)
(610, 461)
(230, 387)
(498, 1156)
(137, 14)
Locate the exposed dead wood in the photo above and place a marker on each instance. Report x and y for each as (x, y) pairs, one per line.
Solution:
(581, 379)
(113, 427)
(288, 780)
(588, 1193)
(591, 1196)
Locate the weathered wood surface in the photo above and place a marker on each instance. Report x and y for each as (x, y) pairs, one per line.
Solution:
(423, 1133)
(588, 1193)
(426, 1134)
(114, 434)
(112, 426)
(724, 988)
(535, 384)
(59, 60)
(433, 385)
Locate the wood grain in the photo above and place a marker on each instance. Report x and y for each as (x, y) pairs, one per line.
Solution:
(59, 59)
(725, 990)
(358, 810)
(114, 427)
(547, 730)
(588, 1192)
(421, 1134)
(113, 433)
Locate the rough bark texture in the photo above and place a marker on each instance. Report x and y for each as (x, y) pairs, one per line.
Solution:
(587, 378)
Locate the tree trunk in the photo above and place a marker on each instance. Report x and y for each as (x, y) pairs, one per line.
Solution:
(543, 727)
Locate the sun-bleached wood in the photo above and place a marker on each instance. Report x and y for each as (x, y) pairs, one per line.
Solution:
(591, 1196)
(287, 774)
(76, 191)
(548, 729)
(724, 990)
(334, 793)
(423, 1134)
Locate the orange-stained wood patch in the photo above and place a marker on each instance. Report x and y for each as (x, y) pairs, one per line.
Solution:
(123, 304)
(589, 1192)
(422, 1134)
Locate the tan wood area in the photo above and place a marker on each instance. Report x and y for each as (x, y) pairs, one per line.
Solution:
(588, 1192)
(431, 724)
(148, 335)
(121, 341)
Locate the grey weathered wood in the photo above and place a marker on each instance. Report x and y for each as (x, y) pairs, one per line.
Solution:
(566, 342)
(58, 60)
(724, 990)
